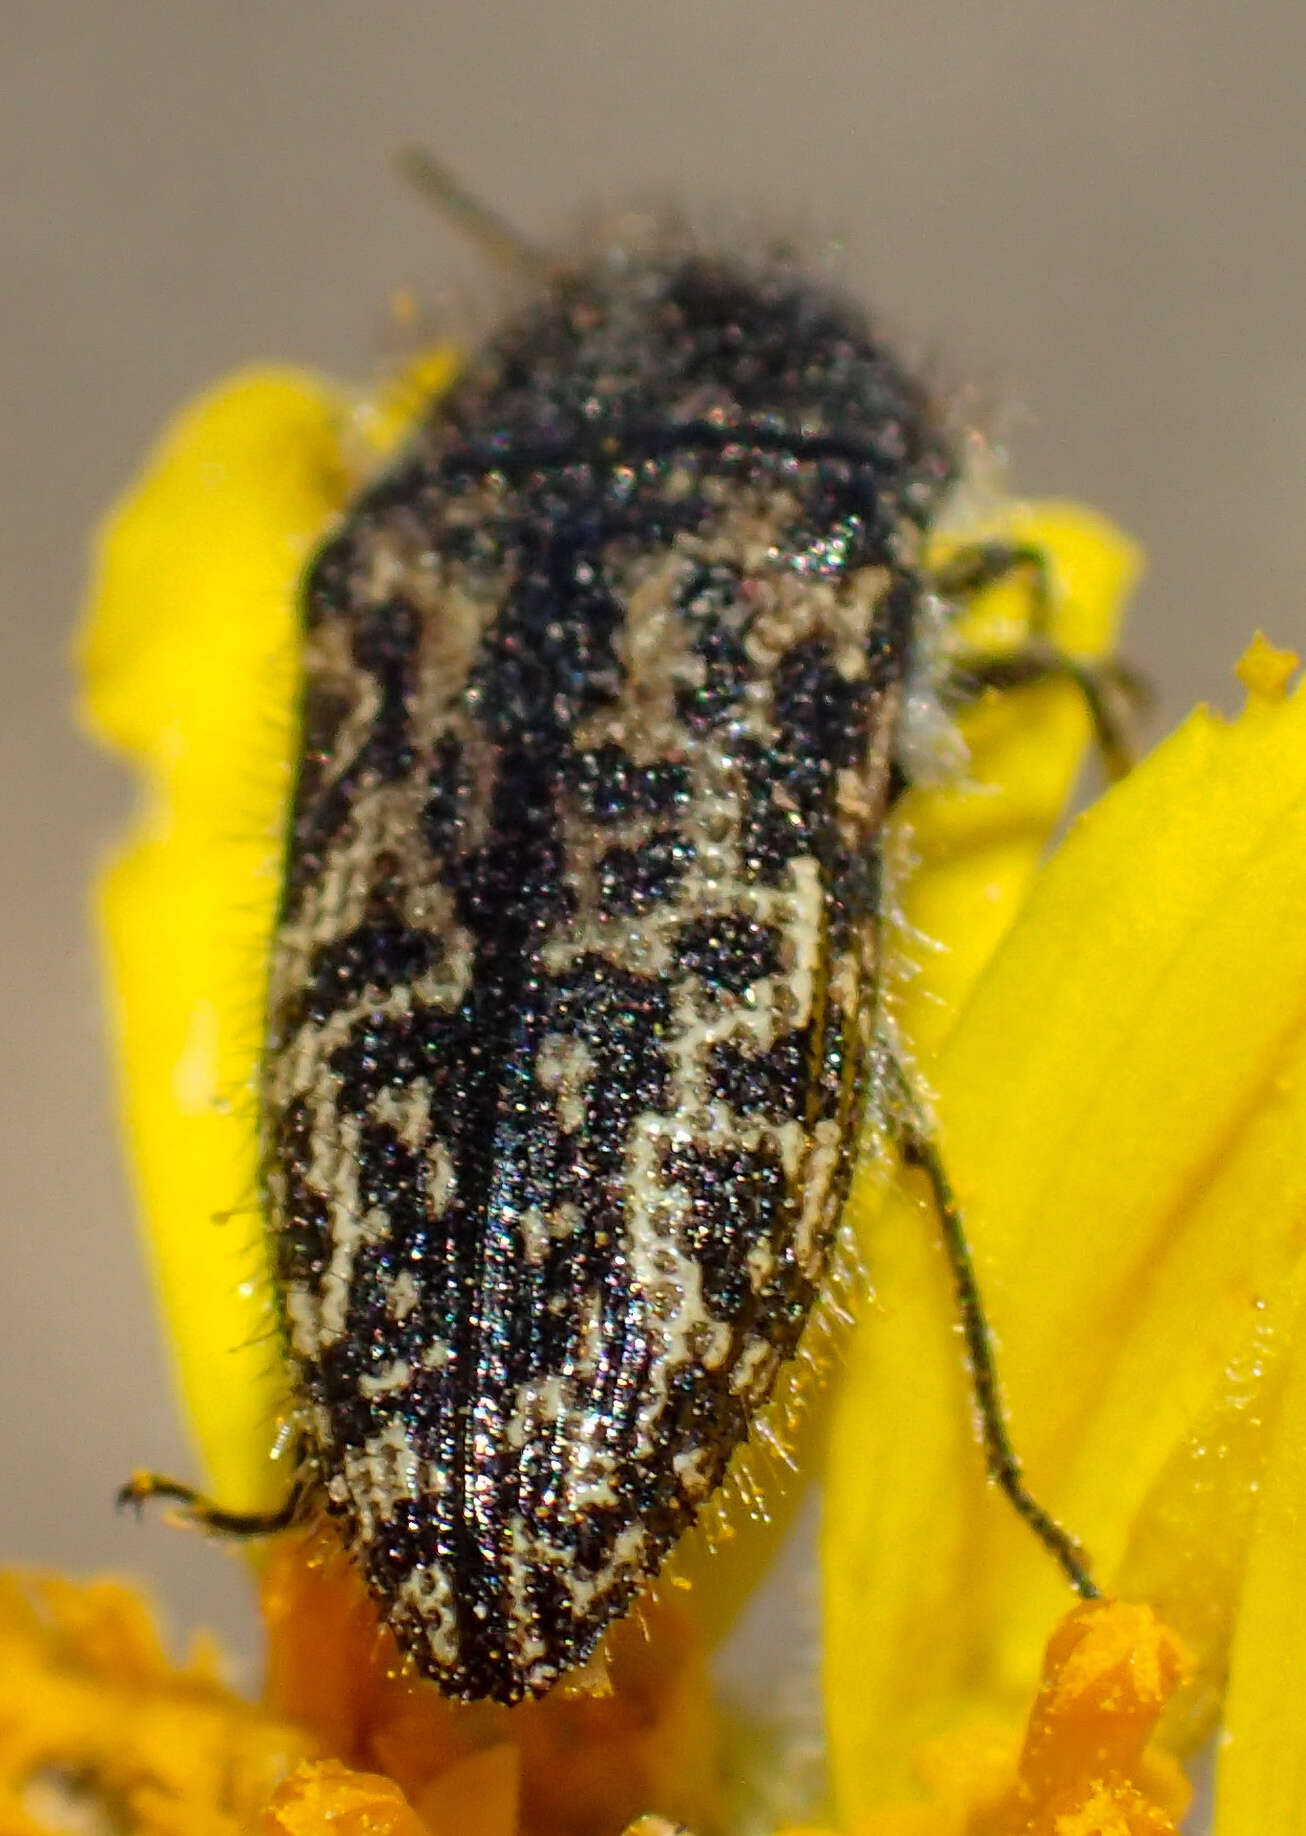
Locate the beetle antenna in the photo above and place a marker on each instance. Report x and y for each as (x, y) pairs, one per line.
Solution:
(498, 241)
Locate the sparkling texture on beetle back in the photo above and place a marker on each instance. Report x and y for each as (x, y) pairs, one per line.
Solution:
(573, 985)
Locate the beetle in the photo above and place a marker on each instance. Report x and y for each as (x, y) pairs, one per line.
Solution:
(575, 987)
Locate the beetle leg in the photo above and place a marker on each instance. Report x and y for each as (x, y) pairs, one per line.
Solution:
(919, 1146)
(1112, 691)
(199, 1510)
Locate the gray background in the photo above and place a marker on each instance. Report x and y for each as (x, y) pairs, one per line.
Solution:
(1091, 212)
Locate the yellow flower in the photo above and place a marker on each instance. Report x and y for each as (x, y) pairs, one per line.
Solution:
(1115, 1051)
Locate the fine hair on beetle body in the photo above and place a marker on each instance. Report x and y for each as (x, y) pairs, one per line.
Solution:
(576, 1022)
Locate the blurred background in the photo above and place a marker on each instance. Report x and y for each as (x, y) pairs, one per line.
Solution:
(1092, 214)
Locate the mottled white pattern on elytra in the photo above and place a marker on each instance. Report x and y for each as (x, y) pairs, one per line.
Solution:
(754, 1368)
(441, 1178)
(563, 1065)
(668, 1285)
(407, 1111)
(391, 1379)
(425, 1599)
(677, 1324)
(627, 1558)
(693, 1472)
(383, 1473)
(402, 1296)
(670, 1326)
(825, 1154)
(521, 1558)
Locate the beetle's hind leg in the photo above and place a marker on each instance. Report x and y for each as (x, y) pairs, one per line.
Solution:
(918, 1144)
(205, 1514)
(1113, 693)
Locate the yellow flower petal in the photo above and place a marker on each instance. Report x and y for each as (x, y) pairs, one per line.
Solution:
(1121, 1105)
(188, 656)
(976, 842)
(94, 1717)
(1262, 1764)
(481, 1792)
(973, 843)
(1177, 1140)
(1188, 1543)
